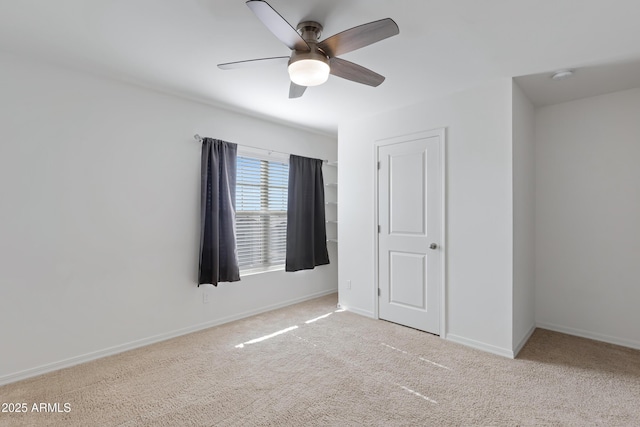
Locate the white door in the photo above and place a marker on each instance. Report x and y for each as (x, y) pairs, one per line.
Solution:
(410, 231)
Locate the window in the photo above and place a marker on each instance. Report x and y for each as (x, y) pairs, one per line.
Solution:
(261, 213)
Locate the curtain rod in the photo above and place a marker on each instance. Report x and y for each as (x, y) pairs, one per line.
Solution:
(199, 139)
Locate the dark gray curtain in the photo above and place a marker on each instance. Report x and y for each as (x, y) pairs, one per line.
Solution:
(306, 227)
(218, 255)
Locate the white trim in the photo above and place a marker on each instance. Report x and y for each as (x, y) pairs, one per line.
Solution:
(590, 335)
(262, 154)
(443, 238)
(76, 360)
(441, 133)
(480, 346)
(359, 311)
(260, 270)
(376, 233)
(523, 341)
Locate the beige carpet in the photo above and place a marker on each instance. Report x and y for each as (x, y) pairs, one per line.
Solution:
(342, 369)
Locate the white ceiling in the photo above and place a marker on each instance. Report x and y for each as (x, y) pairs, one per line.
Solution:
(595, 80)
(444, 46)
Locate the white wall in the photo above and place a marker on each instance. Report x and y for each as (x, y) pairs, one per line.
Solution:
(99, 186)
(588, 217)
(479, 209)
(523, 218)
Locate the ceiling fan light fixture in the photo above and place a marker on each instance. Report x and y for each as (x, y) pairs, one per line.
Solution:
(309, 72)
(312, 59)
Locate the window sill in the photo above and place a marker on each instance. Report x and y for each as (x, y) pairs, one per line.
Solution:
(254, 271)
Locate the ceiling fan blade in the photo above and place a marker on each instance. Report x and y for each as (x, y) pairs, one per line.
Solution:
(278, 25)
(354, 72)
(277, 60)
(296, 91)
(360, 36)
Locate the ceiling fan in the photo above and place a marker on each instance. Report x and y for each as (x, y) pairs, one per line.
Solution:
(312, 61)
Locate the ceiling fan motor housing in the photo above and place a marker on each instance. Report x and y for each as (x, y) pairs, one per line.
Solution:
(313, 64)
(310, 31)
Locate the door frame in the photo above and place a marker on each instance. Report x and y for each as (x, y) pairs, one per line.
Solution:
(441, 133)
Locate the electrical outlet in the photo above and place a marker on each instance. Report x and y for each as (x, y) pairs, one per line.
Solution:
(205, 296)
(348, 285)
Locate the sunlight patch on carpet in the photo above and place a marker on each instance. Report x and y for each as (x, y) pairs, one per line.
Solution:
(393, 348)
(418, 394)
(318, 318)
(266, 337)
(421, 358)
(435, 364)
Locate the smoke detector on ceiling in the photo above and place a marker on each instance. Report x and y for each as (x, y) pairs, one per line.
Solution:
(562, 75)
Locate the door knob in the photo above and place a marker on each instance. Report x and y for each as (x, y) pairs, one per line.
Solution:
(433, 246)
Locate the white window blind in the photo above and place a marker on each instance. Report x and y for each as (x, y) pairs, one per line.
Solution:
(261, 213)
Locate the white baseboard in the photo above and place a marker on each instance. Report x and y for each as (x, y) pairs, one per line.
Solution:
(359, 311)
(590, 335)
(480, 346)
(524, 340)
(50, 367)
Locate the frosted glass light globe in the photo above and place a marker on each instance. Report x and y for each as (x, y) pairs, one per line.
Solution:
(308, 72)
